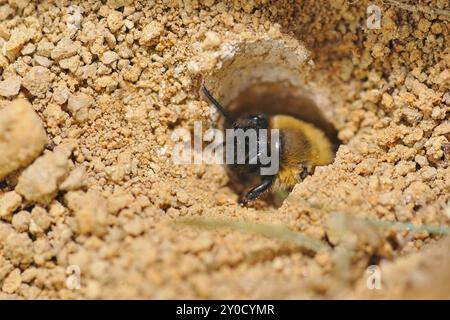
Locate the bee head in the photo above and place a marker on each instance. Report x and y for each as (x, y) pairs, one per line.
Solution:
(246, 141)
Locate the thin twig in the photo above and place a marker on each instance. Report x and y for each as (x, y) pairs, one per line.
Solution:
(278, 232)
(438, 230)
(417, 8)
(407, 226)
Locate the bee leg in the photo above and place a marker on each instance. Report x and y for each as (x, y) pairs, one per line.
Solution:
(304, 173)
(307, 170)
(258, 190)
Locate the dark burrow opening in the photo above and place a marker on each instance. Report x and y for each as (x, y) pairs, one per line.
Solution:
(275, 98)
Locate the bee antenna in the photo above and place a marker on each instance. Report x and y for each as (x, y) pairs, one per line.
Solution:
(216, 104)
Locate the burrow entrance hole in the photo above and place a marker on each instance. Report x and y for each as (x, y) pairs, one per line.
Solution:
(269, 77)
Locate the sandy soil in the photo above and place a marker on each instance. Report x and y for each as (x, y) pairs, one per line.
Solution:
(91, 93)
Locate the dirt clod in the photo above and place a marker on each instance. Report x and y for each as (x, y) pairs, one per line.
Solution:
(23, 136)
(37, 81)
(40, 181)
(9, 202)
(10, 87)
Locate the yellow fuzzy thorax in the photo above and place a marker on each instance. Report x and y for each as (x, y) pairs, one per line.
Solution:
(304, 145)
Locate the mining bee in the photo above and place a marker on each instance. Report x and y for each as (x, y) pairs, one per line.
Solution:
(299, 147)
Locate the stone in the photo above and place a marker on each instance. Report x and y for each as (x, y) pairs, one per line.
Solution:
(10, 87)
(65, 48)
(151, 33)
